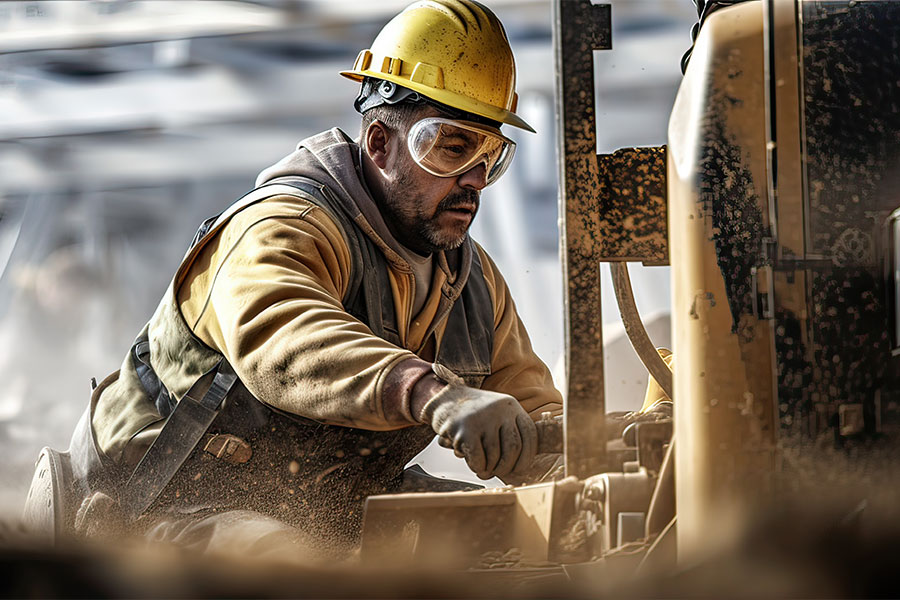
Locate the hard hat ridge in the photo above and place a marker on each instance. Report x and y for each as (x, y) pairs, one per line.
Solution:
(453, 52)
(464, 13)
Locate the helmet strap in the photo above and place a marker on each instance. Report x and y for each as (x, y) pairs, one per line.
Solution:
(378, 92)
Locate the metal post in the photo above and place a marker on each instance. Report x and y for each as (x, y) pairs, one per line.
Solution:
(580, 28)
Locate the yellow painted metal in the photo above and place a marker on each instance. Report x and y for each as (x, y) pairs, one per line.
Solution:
(464, 529)
(452, 51)
(723, 368)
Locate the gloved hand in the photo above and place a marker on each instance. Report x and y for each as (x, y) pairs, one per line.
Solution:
(491, 431)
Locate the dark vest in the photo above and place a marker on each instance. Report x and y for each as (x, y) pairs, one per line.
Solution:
(312, 475)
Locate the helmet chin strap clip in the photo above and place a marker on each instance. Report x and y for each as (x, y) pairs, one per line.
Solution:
(376, 93)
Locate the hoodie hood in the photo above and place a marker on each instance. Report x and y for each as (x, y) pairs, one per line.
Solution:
(334, 160)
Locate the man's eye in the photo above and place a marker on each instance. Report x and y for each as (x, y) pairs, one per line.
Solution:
(453, 150)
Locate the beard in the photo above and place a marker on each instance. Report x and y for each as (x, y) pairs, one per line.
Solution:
(418, 231)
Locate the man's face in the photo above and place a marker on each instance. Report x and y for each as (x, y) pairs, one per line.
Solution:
(428, 213)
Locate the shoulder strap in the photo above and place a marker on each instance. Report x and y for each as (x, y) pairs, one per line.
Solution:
(140, 357)
(182, 431)
(140, 350)
(189, 419)
(214, 224)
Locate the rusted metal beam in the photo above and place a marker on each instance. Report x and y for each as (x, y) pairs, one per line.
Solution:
(580, 28)
(632, 212)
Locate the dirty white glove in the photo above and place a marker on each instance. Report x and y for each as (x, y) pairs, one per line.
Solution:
(491, 431)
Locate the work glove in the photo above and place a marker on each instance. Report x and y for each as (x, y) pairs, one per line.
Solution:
(491, 431)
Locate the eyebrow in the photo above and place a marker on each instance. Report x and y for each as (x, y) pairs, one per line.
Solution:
(466, 138)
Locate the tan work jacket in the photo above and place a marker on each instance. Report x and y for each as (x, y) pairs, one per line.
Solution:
(266, 294)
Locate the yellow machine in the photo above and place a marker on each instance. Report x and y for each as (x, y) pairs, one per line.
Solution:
(775, 204)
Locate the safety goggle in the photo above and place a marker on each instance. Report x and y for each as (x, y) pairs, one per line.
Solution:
(447, 147)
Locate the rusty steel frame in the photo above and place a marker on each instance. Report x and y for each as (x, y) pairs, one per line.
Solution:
(580, 28)
(633, 211)
(613, 208)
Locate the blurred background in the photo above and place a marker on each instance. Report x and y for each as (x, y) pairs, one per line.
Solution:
(124, 124)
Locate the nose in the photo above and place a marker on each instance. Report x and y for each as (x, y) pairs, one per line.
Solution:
(474, 179)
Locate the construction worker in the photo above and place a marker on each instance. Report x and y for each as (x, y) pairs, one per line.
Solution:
(322, 330)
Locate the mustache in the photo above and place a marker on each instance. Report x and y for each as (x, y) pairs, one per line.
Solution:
(464, 198)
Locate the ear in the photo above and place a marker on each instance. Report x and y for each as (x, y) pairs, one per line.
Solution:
(377, 140)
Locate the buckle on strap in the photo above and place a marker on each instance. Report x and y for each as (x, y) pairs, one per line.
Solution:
(227, 447)
(154, 388)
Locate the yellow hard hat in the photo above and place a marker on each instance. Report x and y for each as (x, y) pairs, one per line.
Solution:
(454, 52)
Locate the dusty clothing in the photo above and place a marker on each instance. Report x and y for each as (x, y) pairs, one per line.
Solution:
(242, 534)
(325, 379)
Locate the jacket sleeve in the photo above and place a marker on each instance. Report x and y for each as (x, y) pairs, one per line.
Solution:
(269, 299)
(515, 368)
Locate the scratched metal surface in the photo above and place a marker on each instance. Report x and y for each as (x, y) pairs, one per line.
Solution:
(614, 209)
(633, 217)
(581, 28)
(728, 197)
(851, 102)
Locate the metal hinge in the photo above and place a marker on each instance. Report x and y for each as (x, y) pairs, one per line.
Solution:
(763, 296)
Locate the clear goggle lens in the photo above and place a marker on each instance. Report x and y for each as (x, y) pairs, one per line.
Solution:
(447, 147)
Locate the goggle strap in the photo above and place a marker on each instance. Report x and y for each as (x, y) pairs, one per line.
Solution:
(377, 92)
